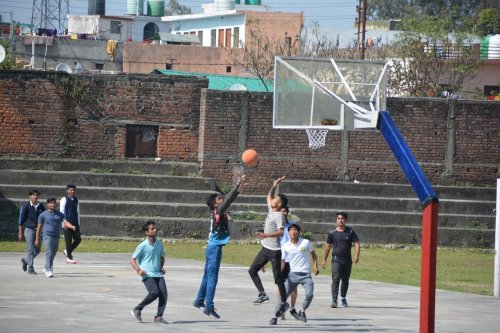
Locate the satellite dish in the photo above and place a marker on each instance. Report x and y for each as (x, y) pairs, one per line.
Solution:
(24, 29)
(238, 87)
(63, 68)
(2, 54)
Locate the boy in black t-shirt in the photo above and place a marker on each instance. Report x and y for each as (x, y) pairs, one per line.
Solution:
(341, 239)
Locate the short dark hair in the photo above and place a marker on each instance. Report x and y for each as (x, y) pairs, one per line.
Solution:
(34, 191)
(344, 214)
(294, 225)
(286, 209)
(70, 186)
(51, 199)
(146, 225)
(211, 199)
(284, 200)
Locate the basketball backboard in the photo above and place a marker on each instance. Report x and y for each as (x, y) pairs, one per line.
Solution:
(328, 94)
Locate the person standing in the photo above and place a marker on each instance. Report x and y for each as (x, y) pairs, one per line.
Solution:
(49, 224)
(286, 237)
(28, 219)
(296, 253)
(341, 239)
(271, 250)
(218, 237)
(70, 207)
(148, 261)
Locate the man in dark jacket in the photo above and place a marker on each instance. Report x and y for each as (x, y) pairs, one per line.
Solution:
(28, 220)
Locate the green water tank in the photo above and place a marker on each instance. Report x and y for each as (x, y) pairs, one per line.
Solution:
(253, 2)
(156, 8)
(237, 2)
(489, 47)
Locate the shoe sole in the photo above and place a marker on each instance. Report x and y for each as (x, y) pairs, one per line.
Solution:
(25, 264)
(259, 303)
(281, 311)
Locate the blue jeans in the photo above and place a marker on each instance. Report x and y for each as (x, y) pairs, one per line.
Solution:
(156, 288)
(51, 247)
(206, 293)
(31, 250)
(296, 278)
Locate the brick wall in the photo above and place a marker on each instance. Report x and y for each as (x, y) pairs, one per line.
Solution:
(43, 114)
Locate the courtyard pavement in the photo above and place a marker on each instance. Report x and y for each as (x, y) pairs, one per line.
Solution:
(97, 294)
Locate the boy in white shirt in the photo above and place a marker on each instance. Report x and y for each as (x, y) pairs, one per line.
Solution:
(296, 253)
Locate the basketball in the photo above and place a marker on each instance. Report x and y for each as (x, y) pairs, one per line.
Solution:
(250, 157)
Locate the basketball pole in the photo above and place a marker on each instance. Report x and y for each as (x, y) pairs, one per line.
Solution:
(429, 200)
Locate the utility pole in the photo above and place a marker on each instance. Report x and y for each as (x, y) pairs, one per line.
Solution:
(361, 21)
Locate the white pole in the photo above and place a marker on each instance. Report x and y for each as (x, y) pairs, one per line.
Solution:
(496, 280)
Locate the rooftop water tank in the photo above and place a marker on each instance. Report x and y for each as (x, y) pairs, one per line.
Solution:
(253, 2)
(156, 8)
(97, 7)
(223, 5)
(490, 47)
(135, 7)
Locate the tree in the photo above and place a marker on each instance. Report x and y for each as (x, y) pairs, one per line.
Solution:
(427, 60)
(174, 8)
(7, 63)
(488, 22)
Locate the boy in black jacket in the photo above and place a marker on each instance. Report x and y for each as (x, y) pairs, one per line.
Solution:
(28, 219)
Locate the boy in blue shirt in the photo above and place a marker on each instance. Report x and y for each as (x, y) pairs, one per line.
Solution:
(148, 261)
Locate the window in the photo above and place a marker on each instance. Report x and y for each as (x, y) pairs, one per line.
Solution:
(228, 38)
(99, 66)
(228, 69)
(236, 37)
(213, 37)
(169, 66)
(491, 92)
(221, 38)
(115, 27)
(200, 36)
(141, 141)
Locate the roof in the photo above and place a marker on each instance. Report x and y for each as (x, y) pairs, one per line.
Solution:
(225, 82)
(177, 38)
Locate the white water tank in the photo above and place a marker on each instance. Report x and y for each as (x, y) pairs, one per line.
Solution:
(223, 5)
(135, 7)
(490, 47)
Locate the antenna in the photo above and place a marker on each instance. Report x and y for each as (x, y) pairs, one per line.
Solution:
(2, 54)
(62, 67)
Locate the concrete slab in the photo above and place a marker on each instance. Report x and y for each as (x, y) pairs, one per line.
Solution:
(97, 294)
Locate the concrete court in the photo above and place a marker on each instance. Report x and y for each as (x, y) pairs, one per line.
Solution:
(97, 294)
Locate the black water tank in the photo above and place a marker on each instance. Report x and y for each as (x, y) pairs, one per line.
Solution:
(97, 7)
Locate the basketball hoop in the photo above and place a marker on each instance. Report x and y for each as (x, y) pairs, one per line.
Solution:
(317, 138)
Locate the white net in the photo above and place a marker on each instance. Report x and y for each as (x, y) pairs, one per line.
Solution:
(317, 137)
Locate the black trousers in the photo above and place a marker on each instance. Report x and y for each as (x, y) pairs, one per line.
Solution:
(341, 272)
(72, 240)
(156, 288)
(263, 257)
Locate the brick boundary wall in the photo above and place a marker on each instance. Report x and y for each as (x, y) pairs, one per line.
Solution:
(49, 114)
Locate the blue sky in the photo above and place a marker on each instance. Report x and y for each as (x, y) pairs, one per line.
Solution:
(334, 16)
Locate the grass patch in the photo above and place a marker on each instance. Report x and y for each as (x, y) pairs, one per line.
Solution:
(464, 270)
(101, 170)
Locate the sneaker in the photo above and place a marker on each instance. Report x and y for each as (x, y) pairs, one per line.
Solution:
(343, 301)
(294, 314)
(334, 304)
(65, 253)
(302, 315)
(282, 309)
(261, 300)
(49, 274)
(273, 321)
(160, 320)
(211, 313)
(70, 261)
(137, 314)
(32, 272)
(24, 264)
(199, 305)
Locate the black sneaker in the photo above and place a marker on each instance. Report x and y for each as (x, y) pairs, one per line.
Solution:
(273, 321)
(211, 313)
(160, 320)
(303, 317)
(137, 314)
(282, 309)
(199, 305)
(24, 264)
(32, 272)
(294, 314)
(334, 304)
(261, 300)
(343, 301)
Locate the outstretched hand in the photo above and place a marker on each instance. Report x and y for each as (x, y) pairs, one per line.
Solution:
(242, 181)
(278, 181)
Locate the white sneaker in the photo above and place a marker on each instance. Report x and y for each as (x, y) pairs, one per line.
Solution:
(49, 274)
(70, 261)
(65, 253)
